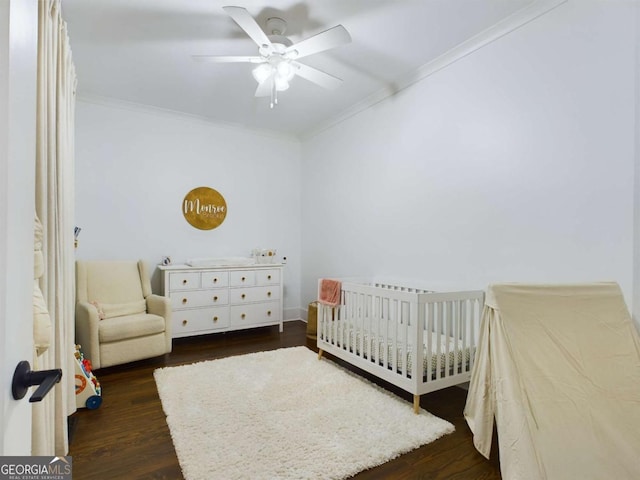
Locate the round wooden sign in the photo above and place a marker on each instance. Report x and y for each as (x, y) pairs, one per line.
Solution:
(204, 208)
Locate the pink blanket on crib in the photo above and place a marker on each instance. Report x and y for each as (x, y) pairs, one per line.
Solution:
(329, 293)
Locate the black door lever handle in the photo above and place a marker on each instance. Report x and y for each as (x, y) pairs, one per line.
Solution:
(24, 377)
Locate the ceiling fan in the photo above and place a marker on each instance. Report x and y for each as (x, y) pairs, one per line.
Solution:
(277, 59)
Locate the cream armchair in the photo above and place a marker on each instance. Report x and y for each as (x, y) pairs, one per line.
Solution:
(118, 319)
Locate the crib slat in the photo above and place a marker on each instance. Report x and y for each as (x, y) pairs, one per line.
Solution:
(377, 314)
(470, 332)
(366, 327)
(416, 315)
(445, 337)
(384, 332)
(353, 325)
(396, 335)
(455, 329)
(404, 325)
(391, 346)
(429, 343)
(373, 329)
(476, 313)
(396, 324)
(463, 335)
(438, 333)
(346, 326)
(369, 326)
(360, 325)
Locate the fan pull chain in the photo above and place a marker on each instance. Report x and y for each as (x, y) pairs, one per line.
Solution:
(274, 92)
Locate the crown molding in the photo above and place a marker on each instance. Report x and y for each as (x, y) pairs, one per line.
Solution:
(168, 113)
(504, 27)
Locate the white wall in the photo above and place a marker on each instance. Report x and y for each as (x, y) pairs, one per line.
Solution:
(514, 163)
(134, 167)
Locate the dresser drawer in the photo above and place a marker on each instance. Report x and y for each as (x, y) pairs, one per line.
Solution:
(184, 280)
(215, 279)
(254, 314)
(187, 321)
(199, 298)
(267, 277)
(253, 294)
(241, 278)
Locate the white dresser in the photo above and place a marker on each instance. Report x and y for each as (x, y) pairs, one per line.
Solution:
(221, 299)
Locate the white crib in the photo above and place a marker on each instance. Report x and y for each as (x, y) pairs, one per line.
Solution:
(378, 326)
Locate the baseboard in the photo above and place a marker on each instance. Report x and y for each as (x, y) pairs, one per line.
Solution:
(291, 314)
(304, 314)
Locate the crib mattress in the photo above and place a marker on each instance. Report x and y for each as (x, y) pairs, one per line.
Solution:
(373, 348)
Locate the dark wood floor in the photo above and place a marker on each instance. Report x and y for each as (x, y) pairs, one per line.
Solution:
(128, 438)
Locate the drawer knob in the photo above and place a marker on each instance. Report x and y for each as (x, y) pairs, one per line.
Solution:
(242, 296)
(184, 282)
(215, 280)
(215, 319)
(268, 277)
(184, 300)
(215, 299)
(243, 278)
(268, 313)
(184, 322)
(242, 316)
(268, 294)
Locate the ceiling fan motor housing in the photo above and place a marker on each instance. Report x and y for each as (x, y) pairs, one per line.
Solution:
(275, 32)
(276, 26)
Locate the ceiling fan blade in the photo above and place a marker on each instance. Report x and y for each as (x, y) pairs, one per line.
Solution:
(331, 38)
(317, 76)
(265, 87)
(226, 59)
(246, 22)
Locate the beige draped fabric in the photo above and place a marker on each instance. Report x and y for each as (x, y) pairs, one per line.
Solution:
(41, 320)
(54, 207)
(558, 367)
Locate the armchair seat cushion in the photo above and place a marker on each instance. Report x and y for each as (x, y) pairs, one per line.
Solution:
(129, 326)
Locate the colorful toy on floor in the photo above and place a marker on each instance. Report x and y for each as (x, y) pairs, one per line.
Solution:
(88, 390)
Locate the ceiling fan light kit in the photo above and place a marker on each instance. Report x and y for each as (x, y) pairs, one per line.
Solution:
(277, 70)
(277, 60)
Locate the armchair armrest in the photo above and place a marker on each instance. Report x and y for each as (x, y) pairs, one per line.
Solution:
(87, 331)
(159, 305)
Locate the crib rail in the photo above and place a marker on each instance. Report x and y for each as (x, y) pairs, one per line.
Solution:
(414, 338)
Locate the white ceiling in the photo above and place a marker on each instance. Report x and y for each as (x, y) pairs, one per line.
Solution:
(139, 51)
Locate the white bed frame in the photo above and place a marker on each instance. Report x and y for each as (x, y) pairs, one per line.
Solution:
(402, 317)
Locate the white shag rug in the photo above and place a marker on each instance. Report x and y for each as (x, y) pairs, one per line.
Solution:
(284, 414)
